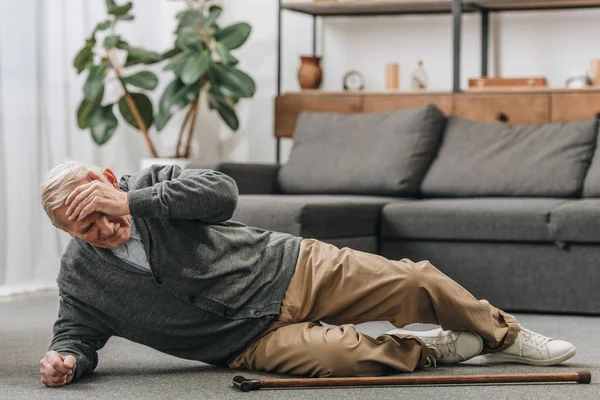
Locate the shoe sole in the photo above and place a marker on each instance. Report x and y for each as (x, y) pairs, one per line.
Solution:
(523, 360)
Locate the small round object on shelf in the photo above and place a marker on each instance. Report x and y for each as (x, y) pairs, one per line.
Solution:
(353, 80)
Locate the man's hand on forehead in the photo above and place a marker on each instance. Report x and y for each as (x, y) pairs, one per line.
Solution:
(96, 196)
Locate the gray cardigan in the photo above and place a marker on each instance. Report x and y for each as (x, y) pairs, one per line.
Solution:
(215, 285)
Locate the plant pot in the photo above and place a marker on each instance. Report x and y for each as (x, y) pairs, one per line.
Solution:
(310, 73)
(147, 162)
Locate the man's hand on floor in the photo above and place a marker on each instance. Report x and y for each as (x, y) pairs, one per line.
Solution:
(96, 196)
(57, 370)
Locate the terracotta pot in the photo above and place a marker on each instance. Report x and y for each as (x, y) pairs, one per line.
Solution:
(310, 73)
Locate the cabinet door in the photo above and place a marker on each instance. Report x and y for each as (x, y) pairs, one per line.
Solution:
(568, 107)
(388, 102)
(511, 108)
(288, 106)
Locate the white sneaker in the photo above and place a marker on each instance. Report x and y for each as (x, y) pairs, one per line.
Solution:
(446, 347)
(534, 349)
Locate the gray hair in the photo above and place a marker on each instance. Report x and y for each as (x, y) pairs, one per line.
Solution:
(59, 182)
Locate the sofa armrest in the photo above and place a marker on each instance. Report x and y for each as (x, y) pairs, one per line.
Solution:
(251, 178)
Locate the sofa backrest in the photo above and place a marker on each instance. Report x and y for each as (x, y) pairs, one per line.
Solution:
(591, 185)
(362, 153)
(490, 159)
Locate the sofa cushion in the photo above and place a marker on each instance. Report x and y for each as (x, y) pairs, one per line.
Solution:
(591, 185)
(316, 216)
(504, 219)
(250, 178)
(576, 221)
(489, 159)
(362, 153)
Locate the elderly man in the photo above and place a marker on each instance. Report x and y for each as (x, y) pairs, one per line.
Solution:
(156, 259)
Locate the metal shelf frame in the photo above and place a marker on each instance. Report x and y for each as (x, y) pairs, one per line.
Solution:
(454, 7)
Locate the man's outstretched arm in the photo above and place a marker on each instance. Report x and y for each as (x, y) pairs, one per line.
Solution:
(158, 192)
(202, 194)
(73, 351)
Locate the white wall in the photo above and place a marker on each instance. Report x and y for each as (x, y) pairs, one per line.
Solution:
(553, 44)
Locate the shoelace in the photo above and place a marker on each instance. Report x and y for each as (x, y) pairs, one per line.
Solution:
(533, 337)
(438, 349)
(429, 361)
(527, 336)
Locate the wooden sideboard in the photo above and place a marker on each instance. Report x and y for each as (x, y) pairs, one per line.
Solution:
(527, 106)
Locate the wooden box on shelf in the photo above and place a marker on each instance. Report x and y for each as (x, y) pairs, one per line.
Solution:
(507, 83)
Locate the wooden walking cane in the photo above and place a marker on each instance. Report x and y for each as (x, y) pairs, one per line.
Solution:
(246, 385)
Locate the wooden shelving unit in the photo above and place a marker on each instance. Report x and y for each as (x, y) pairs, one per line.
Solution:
(506, 89)
(532, 90)
(369, 8)
(358, 8)
(518, 106)
(316, 92)
(395, 7)
(532, 5)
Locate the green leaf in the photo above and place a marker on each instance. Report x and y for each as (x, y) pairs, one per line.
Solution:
(111, 41)
(83, 59)
(234, 35)
(195, 67)
(213, 14)
(117, 11)
(126, 17)
(94, 82)
(176, 96)
(161, 120)
(170, 53)
(225, 55)
(189, 17)
(86, 108)
(110, 4)
(144, 79)
(103, 124)
(176, 64)
(123, 45)
(102, 26)
(233, 81)
(244, 80)
(225, 109)
(144, 106)
(190, 39)
(135, 56)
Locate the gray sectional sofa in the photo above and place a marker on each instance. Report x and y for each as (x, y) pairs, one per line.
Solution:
(511, 212)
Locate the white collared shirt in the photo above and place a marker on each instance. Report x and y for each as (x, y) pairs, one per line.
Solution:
(132, 252)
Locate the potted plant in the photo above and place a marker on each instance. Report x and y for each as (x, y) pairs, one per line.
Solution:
(200, 62)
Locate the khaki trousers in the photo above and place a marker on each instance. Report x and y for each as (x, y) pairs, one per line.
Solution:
(345, 287)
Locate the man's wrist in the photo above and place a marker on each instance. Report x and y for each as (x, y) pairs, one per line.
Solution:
(125, 201)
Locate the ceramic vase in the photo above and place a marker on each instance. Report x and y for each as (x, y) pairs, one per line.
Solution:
(310, 73)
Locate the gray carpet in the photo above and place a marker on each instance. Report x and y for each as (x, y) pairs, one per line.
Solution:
(131, 371)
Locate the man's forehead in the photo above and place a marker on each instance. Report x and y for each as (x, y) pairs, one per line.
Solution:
(74, 226)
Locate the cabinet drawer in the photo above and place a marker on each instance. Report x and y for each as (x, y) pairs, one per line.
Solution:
(389, 102)
(504, 108)
(567, 107)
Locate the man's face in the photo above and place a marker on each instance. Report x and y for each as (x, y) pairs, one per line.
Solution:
(97, 229)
